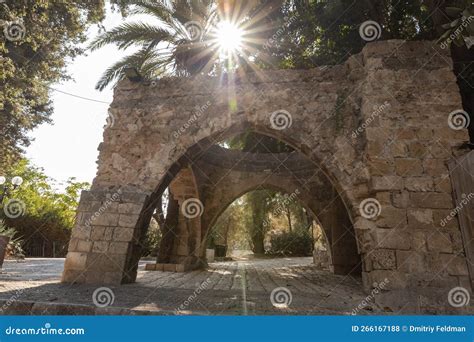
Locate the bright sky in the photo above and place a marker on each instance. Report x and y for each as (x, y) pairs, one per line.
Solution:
(68, 148)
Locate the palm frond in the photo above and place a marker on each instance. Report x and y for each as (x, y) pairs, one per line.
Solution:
(161, 9)
(116, 71)
(129, 34)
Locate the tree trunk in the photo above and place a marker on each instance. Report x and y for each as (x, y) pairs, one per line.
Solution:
(168, 231)
(288, 216)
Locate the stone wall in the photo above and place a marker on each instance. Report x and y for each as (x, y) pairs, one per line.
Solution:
(376, 126)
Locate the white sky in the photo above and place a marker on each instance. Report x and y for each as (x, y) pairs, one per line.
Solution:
(68, 147)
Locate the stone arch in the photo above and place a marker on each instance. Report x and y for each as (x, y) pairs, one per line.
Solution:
(158, 127)
(290, 173)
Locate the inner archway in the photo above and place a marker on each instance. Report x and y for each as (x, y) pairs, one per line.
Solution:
(266, 223)
(209, 177)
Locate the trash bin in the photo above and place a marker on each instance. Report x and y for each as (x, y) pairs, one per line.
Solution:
(3, 247)
(221, 251)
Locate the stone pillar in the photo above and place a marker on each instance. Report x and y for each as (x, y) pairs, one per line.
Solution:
(407, 99)
(188, 248)
(105, 238)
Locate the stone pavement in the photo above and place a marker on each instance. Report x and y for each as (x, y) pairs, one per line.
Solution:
(237, 287)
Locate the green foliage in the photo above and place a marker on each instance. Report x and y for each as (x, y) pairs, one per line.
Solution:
(460, 30)
(14, 244)
(49, 214)
(326, 32)
(54, 31)
(296, 243)
(152, 240)
(164, 44)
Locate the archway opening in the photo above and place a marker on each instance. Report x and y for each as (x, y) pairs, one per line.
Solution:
(215, 172)
(267, 223)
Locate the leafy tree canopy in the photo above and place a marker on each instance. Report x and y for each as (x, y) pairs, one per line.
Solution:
(43, 37)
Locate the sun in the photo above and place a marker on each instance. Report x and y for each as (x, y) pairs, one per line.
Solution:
(229, 37)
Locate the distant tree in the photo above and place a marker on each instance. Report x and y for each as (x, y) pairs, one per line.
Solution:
(42, 37)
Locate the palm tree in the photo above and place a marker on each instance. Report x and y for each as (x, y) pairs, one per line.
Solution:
(176, 43)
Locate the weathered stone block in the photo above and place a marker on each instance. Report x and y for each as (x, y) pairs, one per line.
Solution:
(392, 239)
(383, 259)
(391, 217)
(81, 232)
(419, 184)
(418, 241)
(98, 233)
(420, 218)
(439, 242)
(75, 261)
(130, 208)
(401, 199)
(387, 183)
(100, 246)
(408, 167)
(118, 247)
(443, 184)
(455, 265)
(105, 219)
(123, 234)
(391, 279)
(127, 220)
(431, 200)
(434, 167)
(411, 261)
(381, 167)
(84, 246)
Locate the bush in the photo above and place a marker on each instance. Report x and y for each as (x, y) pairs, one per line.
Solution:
(295, 243)
(14, 248)
(152, 240)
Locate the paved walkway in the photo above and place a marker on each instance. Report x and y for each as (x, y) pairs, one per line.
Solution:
(236, 287)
